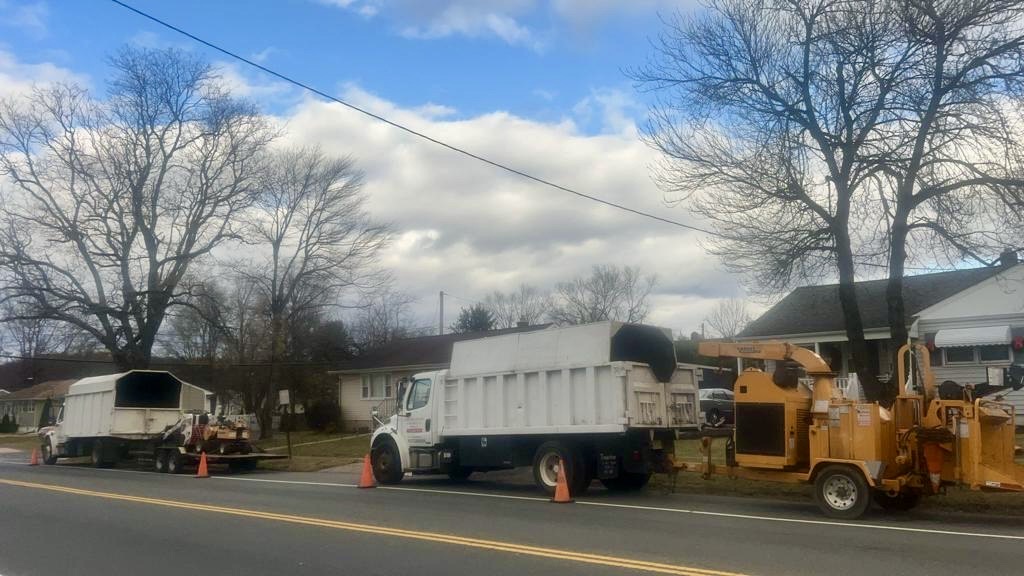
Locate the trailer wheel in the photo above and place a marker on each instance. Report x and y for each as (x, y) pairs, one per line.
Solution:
(545, 468)
(49, 454)
(175, 465)
(901, 502)
(160, 461)
(842, 492)
(387, 464)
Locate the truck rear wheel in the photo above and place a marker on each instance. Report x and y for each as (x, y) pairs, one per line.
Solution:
(160, 461)
(387, 464)
(842, 492)
(175, 465)
(546, 460)
(101, 455)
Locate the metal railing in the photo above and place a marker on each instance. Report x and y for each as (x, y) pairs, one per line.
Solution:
(380, 413)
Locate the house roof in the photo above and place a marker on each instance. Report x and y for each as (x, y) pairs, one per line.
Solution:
(422, 350)
(814, 309)
(41, 391)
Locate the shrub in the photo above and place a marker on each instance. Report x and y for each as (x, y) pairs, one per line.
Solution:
(323, 415)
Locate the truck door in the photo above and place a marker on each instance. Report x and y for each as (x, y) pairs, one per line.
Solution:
(416, 424)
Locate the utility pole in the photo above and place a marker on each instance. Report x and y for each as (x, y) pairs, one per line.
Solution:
(440, 320)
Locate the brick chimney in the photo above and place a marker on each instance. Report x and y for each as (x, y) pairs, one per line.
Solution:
(1008, 258)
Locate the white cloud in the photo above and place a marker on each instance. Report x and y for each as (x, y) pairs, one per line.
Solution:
(253, 85)
(468, 228)
(613, 108)
(440, 19)
(263, 55)
(19, 77)
(28, 16)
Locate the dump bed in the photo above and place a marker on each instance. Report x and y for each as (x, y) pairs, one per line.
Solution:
(595, 378)
(135, 404)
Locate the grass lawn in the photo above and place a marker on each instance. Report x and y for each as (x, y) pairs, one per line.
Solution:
(19, 441)
(317, 452)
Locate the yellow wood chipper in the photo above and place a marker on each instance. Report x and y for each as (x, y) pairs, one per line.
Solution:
(852, 451)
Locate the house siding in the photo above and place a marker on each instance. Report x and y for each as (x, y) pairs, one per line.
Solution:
(355, 410)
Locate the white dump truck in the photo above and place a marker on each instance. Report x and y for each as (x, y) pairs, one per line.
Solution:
(605, 400)
(144, 415)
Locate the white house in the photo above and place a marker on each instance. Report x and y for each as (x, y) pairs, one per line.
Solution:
(971, 320)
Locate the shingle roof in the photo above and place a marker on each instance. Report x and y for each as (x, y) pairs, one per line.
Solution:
(41, 391)
(812, 309)
(423, 350)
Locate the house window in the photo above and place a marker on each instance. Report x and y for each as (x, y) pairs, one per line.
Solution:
(994, 353)
(376, 386)
(936, 357)
(959, 355)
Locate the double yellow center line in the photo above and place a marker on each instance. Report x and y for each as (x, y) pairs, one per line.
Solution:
(495, 545)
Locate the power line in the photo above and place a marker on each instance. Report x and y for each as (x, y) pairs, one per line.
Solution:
(405, 128)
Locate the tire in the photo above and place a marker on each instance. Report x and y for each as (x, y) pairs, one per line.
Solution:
(160, 461)
(545, 468)
(713, 418)
(582, 477)
(101, 455)
(460, 473)
(627, 482)
(175, 465)
(49, 454)
(842, 492)
(386, 463)
(901, 502)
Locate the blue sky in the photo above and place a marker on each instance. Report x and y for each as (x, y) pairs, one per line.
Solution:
(537, 85)
(533, 59)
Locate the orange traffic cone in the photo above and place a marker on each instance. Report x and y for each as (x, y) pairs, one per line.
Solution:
(35, 457)
(366, 479)
(202, 472)
(562, 495)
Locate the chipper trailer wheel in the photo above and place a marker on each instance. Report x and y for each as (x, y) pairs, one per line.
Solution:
(842, 492)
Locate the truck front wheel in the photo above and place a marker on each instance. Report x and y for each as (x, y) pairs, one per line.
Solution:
(49, 454)
(842, 492)
(387, 464)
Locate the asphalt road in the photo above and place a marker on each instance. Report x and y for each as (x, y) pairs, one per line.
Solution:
(69, 519)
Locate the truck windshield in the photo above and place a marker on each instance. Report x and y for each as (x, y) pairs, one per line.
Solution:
(419, 395)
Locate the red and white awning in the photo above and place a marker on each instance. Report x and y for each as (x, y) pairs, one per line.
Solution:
(981, 336)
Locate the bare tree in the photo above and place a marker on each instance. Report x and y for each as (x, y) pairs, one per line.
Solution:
(729, 317)
(768, 121)
(383, 316)
(818, 136)
(610, 292)
(198, 328)
(310, 217)
(112, 200)
(526, 304)
(953, 138)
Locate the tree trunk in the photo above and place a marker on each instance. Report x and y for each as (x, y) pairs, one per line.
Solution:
(895, 308)
(862, 357)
